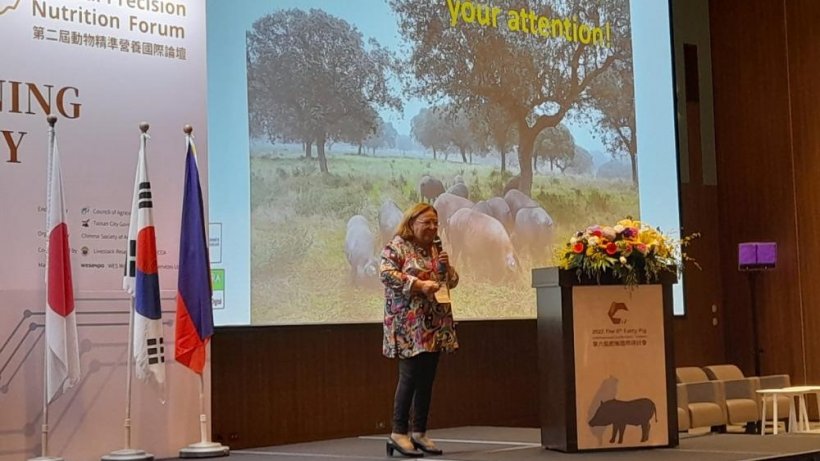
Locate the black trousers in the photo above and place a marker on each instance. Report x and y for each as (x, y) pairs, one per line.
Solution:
(415, 390)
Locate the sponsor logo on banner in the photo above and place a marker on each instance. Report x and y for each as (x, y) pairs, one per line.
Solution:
(8, 5)
(218, 287)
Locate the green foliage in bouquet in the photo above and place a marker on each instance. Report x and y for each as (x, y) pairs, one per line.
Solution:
(630, 251)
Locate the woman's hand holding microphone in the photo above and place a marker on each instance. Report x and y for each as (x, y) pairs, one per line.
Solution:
(430, 287)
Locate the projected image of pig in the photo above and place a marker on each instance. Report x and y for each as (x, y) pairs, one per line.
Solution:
(360, 243)
(480, 244)
(620, 413)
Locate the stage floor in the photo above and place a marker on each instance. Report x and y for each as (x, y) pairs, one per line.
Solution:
(522, 444)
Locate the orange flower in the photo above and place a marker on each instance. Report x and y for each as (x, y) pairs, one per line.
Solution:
(611, 249)
(578, 247)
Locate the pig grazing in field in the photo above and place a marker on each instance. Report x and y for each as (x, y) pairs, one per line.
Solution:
(533, 232)
(429, 188)
(482, 207)
(447, 204)
(480, 244)
(359, 246)
(459, 189)
(389, 218)
(619, 413)
(517, 200)
(513, 183)
(500, 210)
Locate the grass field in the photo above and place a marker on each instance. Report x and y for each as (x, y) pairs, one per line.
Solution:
(299, 273)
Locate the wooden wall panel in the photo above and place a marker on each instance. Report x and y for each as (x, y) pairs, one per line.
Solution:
(286, 384)
(699, 342)
(273, 385)
(699, 335)
(802, 17)
(702, 288)
(755, 179)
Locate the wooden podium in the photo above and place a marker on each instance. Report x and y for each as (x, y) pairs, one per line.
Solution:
(606, 364)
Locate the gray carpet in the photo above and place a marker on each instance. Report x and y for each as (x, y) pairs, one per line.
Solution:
(518, 444)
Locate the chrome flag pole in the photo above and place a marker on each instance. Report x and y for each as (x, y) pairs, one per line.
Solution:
(127, 453)
(194, 320)
(61, 358)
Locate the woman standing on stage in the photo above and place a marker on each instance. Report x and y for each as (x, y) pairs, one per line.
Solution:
(417, 325)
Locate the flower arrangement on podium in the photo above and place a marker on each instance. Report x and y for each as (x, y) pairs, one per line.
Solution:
(630, 251)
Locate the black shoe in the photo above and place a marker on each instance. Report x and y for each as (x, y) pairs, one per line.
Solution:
(430, 450)
(392, 445)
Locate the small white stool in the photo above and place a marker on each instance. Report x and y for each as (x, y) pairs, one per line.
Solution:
(800, 392)
(772, 395)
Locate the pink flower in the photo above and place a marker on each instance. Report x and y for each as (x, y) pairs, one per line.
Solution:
(626, 249)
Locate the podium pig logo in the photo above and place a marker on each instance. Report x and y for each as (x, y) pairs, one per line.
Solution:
(614, 308)
(8, 5)
(620, 413)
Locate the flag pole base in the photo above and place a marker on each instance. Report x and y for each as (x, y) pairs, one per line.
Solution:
(204, 450)
(45, 458)
(128, 454)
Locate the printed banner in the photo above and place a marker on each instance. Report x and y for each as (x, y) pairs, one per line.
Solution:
(620, 367)
(101, 67)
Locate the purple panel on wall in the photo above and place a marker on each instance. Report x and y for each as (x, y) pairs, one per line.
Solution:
(746, 254)
(767, 253)
(756, 255)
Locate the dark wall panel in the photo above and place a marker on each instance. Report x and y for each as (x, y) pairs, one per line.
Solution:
(756, 194)
(275, 385)
(699, 205)
(802, 17)
(698, 340)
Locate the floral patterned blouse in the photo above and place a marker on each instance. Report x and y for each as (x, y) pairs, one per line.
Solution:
(412, 323)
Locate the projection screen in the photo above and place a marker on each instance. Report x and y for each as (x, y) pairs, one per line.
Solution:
(325, 112)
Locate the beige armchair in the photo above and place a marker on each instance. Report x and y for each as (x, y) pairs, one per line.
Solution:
(707, 405)
(683, 409)
(690, 375)
(705, 400)
(742, 405)
(729, 372)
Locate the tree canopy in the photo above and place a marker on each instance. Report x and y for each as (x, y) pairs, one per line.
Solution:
(556, 145)
(310, 73)
(384, 136)
(613, 95)
(535, 80)
(429, 130)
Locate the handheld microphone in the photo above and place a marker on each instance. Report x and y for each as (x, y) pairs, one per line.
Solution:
(442, 268)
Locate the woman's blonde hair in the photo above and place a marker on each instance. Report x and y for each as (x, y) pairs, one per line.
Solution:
(405, 227)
